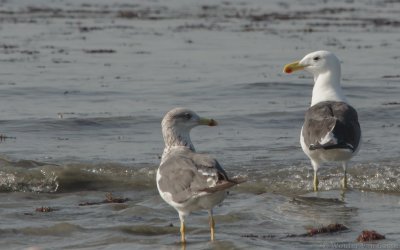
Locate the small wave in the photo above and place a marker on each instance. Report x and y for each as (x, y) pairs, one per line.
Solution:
(274, 85)
(148, 230)
(32, 176)
(297, 179)
(59, 229)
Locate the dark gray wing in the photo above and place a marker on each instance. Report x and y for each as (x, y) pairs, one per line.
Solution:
(186, 175)
(339, 118)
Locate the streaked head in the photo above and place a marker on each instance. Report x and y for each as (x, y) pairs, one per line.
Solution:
(177, 124)
(184, 118)
(316, 63)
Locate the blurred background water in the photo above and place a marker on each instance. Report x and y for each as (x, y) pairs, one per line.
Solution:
(85, 84)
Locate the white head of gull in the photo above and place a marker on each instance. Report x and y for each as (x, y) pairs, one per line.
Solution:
(331, 131)
(186, 180)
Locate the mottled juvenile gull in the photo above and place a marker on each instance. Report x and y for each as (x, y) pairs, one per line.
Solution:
(331, 131)
(186, 180)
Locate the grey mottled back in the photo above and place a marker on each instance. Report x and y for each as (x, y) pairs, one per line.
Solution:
(325, 116)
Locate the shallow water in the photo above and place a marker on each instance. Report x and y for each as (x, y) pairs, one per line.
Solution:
(84, 85)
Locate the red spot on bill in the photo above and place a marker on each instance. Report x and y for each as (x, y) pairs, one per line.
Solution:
(288, 70)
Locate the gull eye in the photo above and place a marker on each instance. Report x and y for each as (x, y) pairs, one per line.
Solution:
(187, 116)
(316, 58)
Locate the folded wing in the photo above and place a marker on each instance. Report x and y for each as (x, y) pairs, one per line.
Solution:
(199, 174)
(331, 125)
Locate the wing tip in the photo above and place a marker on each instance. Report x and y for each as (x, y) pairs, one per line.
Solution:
(226, 184)
(238, 179)
(332, 146)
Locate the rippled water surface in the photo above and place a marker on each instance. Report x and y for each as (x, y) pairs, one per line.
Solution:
(84, 85)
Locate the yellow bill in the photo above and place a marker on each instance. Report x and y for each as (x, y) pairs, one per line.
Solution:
(291, 67)
(208, 122)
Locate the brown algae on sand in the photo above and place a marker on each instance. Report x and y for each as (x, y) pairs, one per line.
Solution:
(331, 228)
(367, 235)
(45, 209)
(109, 199)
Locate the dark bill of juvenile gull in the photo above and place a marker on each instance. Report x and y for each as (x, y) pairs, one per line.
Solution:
(186, 180)
(331, 131)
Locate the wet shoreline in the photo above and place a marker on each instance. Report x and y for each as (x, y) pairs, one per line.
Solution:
(84, 86)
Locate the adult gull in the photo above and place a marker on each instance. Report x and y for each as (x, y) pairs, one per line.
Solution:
(331, 131)
(186, 180)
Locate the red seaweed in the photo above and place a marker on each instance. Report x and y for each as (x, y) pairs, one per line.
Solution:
(367, 235)
(331, 228)
(45, 209)
(109, 199)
